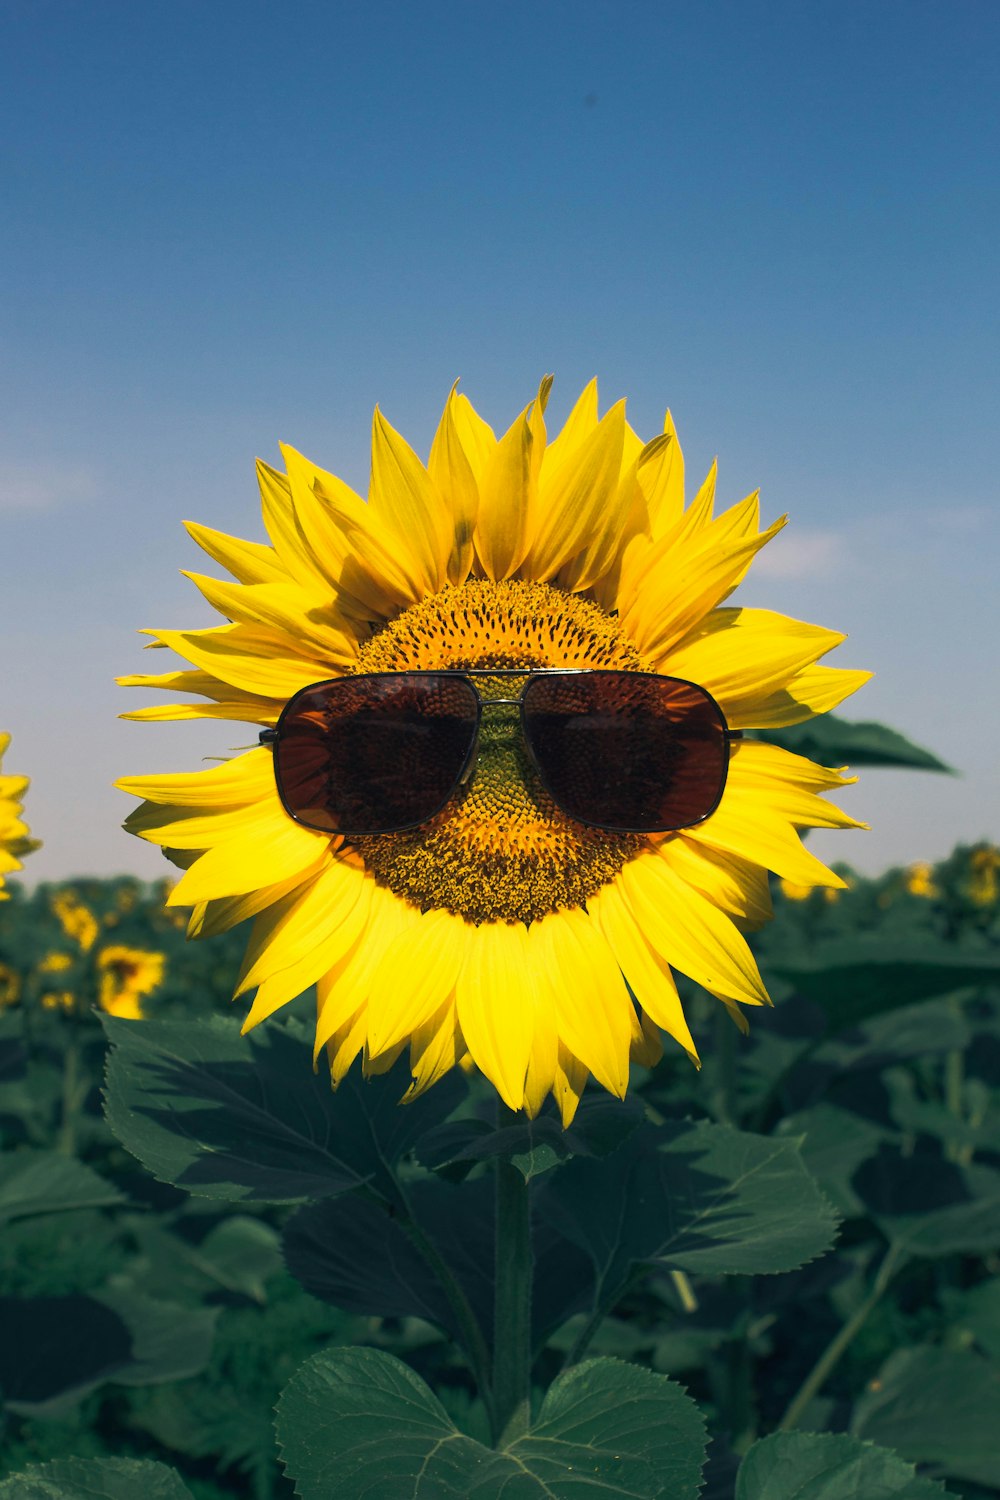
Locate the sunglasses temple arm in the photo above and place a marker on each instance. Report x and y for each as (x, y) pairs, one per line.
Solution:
(268, 737)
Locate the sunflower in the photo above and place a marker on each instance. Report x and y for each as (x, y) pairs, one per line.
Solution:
(14, 840)
(502, 935)
(125, 975)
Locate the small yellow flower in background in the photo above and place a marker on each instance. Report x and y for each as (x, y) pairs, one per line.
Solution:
(919, 880)
(55, 963)
(125, 976)
(10, 986)
(795, 892)
(59, 1000)
(983, 887)
(499, 934)
(15, 841)
(77, 921)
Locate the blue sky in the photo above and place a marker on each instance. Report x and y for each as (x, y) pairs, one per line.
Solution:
(231, 224)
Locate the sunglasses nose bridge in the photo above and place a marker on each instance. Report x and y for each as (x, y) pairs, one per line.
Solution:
(470, 763)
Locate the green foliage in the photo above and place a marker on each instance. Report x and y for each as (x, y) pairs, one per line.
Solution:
(838, 742)
(323, 1247)
(355, 1421)
(95, 1479)
(806, 1466)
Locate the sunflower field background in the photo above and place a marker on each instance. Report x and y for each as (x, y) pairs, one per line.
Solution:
(814, 1214)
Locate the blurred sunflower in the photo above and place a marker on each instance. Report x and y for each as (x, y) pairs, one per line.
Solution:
(75, 918)
(125, 975)
(502, 934)
(10, 986)
(14, 840)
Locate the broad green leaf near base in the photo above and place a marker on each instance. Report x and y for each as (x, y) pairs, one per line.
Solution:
(695, 1197)
(937, 1406)
(96, 1479)
(360, 1423)
(47, 1182)
(246, 1119)
(828, 1466)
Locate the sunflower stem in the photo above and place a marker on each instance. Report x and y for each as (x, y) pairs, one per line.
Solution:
(472, 1335)
(512, 1321)
(72, 1097)
(840, 1342)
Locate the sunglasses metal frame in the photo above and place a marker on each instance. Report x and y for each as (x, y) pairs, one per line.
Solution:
(272, 736)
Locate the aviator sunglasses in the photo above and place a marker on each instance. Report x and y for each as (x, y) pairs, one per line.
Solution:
(628, 752)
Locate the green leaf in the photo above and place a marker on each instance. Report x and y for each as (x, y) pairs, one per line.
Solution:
(828, 1466)
(937, 1406)
(46, 1182)
(358, 1255)
(976, 1314)
(836, 1142)
(855, 978)
(95, 1479)
(359, 1422)
(246, 1119)
(168, 1342)
(533, 1146)
(840, 742)
(929, 1206)
(692, 1196)
(56, 1350)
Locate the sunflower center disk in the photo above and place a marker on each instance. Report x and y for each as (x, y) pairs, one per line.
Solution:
(501, 850)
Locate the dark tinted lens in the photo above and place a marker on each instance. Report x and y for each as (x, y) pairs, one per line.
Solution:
(373, 754)
(627, 750)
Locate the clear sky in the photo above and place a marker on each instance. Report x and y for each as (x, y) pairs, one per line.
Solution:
(231, 223)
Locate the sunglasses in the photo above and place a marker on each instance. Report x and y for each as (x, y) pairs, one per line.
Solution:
(628, 752)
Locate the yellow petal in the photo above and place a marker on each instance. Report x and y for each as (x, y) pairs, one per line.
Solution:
(227, 702)
(737, 887)
(260, 661)
(239, 782)
(591, 1005)
(753, 830)
(663, 483)
(271, 850)
(569, 1084)
(319, 919)
(743, 655)
(496, 1006)
(453, 476)
(416, 974)
(209, 918)
(647, 1048)
(249, 562)
(689, 932)
(346, 919)
(578, 426)
(436, 1048)
(814, 690)
(347, 984)
(477, 437)
(404, 500)
(293, 551)
(575, 499)
(345, 1044)
(649, 977)
(691, 577)
(507, 496)
(289, 612)
(367, 568)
